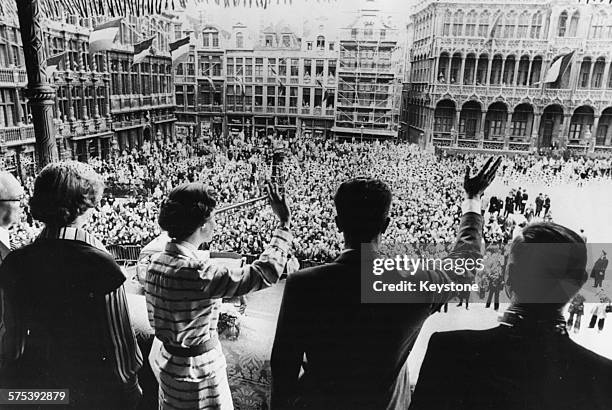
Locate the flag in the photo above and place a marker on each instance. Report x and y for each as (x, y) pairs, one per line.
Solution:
(324, 90)
(179, 50)
(280, 83)
(492, 29)
(211, 82)
(103, 36)
(141, 50)
(53, 62)
(240, 84)
(558, 67)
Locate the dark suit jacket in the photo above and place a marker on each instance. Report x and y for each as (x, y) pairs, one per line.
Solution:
(4, 251)
(507, 368)
(353, 351)
(599, 267)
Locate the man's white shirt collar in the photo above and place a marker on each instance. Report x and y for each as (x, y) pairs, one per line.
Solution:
(5, 238)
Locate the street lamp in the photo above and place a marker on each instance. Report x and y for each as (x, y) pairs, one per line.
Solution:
(361, 133)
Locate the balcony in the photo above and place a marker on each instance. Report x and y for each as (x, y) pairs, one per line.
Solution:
(452, 43)
(139, 102)
(258, 109)
(210, 107)
(164, 118)
(305, 111)
(13, 77)
(17, 135)
(293, 110)
(330, 112)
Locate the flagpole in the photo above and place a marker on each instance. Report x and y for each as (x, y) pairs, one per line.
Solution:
(41, 95)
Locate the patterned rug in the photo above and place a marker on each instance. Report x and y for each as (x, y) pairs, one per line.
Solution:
(248, 356)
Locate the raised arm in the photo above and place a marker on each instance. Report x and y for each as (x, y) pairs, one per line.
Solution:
(468, 244)
(221, 281)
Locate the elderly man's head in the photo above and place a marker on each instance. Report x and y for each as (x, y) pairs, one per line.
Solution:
(547, 264)
(11, 193)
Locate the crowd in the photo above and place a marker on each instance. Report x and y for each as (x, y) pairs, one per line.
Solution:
(425, 209)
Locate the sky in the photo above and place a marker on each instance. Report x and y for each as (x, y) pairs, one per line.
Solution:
(298, 11)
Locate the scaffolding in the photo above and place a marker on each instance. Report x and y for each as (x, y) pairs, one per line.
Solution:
(365, 85)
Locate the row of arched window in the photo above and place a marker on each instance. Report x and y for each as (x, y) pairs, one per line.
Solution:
(509, 25)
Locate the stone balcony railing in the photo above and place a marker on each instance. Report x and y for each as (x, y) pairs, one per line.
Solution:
(138, 102)
(13, 77)
(13, 135)
(457, 90)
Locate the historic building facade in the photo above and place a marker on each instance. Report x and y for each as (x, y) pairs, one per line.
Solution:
(479, 71)
(369, 88)
(258, 81)
(103, 101)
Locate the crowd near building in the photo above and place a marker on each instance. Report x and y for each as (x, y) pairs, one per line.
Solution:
(511, 76)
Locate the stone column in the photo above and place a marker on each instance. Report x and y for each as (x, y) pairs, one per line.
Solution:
(516, 69)
(84, 99)
(606, 73)
(40, 94)
(535, 128)
(594, 128)
(507, 130)
(462, 71)
(489, 68)
(481, 134)
(528, 82)
(502, 73)
(590, 85)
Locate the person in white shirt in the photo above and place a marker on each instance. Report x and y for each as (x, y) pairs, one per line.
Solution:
(11, 193)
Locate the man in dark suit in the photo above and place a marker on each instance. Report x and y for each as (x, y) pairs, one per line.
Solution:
(598, 273)
(353, 355)
(528, 362)
(524, 199)
(518, 197)
(546, 205)
(509, 205)
(539, 202)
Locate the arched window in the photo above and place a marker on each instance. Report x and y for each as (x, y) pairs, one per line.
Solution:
(523, 25)
(239, 40)
(483, 25)
(573, 28)
(470, 27)
(599, 22)
(562, 24)
(447, 23)
(321, 43)
(536, 25)
(458, 24)
(510, 23)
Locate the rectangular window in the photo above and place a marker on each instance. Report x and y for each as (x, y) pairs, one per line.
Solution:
(7, 108)
(293, 96)
(190, 96)
(215, 40)
(307, 67)
(295, 71)
(306, 97)
(271, 96)
(272, 67)
(282, 67)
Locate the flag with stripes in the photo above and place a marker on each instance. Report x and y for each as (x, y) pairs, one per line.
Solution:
(240, 85)
(278, 80)
(324, 90)
(103, 36)
(53, 62)
(558, 67)
(211, 82)
(493, 29)
(179, 50)
(142, 49)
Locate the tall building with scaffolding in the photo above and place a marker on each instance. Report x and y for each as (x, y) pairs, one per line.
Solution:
(369, 81)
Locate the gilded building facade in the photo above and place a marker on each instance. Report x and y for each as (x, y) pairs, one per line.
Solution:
(478, 73)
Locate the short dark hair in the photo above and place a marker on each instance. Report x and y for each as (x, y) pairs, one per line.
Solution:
(187, 207)
(363, 206)
(551, 262)
(65, 190)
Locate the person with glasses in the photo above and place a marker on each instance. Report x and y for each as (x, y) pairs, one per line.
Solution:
(11, 193)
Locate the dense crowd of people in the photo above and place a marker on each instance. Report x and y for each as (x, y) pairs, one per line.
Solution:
(425, 209)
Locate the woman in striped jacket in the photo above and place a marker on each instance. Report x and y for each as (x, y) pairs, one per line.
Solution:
(184, 290)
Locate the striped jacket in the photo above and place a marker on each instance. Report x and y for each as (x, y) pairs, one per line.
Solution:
(184, 291)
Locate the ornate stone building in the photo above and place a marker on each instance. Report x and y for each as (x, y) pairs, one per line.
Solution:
(261, 80)
(369, 77)
(478, 73)
(98, 96)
